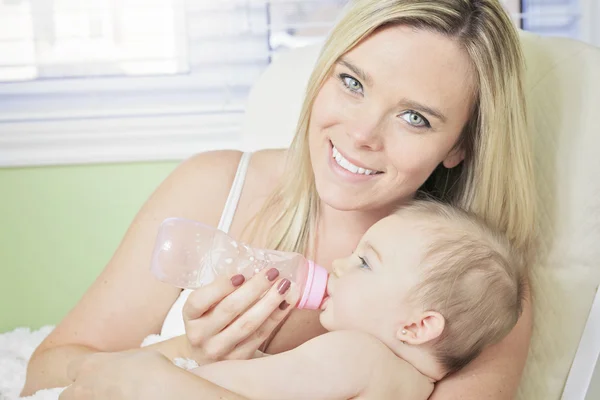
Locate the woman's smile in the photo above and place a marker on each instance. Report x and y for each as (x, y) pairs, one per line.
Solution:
(350, 169)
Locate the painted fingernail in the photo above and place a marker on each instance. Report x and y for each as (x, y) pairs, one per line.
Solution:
(283, 287)
(284, 304)
(237, 280)
(272, 274)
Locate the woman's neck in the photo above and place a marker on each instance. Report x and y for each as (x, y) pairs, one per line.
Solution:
(355, 223)
(340, 231)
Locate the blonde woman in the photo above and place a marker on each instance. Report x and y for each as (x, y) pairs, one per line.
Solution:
(408, 98)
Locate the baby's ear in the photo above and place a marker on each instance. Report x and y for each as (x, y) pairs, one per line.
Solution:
(427, 327)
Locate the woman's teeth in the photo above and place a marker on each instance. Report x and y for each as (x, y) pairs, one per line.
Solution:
(347, 165)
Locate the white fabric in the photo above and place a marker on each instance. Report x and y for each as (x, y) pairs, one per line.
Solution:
(563, 93)
(16, 348)
(173, 324)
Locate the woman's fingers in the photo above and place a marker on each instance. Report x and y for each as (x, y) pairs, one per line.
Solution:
(201, 300)
(252, 343)
(257, 322)
(231, 306)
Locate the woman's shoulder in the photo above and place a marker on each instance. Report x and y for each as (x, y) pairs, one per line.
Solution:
(266, 164)
(220, 163)
(199, 186)
(266, 169)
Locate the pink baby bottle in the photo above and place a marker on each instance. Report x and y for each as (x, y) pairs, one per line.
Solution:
(189, 254)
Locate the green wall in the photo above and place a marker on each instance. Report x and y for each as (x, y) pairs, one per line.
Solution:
(58, 228)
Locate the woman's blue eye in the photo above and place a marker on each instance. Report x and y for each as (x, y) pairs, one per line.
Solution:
(351, 84)
(363, 263)
(415, 119)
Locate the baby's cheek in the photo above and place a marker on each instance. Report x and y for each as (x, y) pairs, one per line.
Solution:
(326, 319)
(349, 311)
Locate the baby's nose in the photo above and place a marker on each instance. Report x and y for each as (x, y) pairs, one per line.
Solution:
(339, 267)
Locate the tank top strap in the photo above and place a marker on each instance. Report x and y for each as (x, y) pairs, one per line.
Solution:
(173, 324)
(234, 193)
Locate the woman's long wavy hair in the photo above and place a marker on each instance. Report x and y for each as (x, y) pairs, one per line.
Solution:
(495, 180)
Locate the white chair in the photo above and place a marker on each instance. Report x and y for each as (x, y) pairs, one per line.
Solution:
(563, 90)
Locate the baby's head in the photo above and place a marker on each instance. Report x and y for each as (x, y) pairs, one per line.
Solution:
(430, 278)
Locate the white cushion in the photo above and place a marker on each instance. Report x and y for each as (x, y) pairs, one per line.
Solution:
(563, 90)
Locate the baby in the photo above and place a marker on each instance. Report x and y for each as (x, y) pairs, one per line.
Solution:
(425, 291)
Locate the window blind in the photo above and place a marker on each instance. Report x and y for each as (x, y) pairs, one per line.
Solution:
(174, 65)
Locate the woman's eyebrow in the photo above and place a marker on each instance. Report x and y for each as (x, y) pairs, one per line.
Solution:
(423, 108)
(359, 72)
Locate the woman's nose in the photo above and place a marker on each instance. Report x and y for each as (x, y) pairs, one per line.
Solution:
(366, 130)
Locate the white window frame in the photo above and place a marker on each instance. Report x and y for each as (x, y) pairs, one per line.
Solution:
(154, 131)
(49, 125)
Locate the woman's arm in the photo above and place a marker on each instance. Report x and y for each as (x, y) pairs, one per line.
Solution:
(138, 375)
(496, 373)
(126, 303)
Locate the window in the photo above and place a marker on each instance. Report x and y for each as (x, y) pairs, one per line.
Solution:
(553, 17)
(70, 38)
(123, 80)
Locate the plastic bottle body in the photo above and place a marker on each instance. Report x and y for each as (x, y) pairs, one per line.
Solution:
(189, 254)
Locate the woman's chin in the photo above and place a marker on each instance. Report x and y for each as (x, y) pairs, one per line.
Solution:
(339, 198)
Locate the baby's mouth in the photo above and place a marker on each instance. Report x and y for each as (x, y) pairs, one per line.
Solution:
(323, 305)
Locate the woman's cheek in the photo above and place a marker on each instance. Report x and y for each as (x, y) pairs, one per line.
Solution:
(413, 160)
(329, 107)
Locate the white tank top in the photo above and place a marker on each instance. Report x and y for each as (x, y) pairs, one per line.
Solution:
(173, 324)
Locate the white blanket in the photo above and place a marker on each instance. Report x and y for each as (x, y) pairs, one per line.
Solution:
(16, 348)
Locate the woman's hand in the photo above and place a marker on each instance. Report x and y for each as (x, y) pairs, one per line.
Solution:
(230, 318)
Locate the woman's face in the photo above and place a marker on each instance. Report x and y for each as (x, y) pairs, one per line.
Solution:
(390, 112)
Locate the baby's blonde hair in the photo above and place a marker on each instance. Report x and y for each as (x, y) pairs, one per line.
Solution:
(471, 275)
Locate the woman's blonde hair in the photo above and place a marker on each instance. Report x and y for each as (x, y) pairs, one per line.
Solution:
(495, 180)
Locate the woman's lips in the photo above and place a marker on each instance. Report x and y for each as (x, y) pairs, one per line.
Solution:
(345, 174)
(350, 164)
